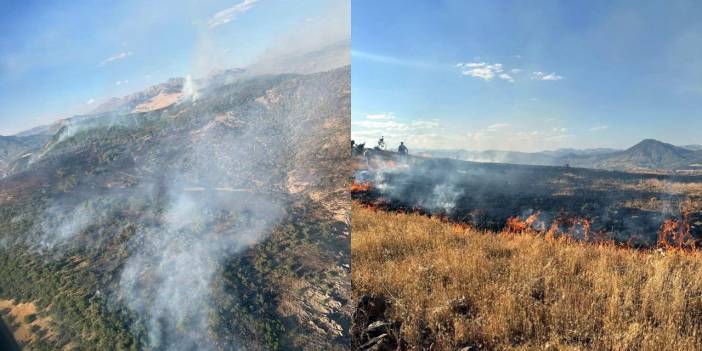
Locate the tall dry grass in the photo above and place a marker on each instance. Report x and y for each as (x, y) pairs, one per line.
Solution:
(453, 287)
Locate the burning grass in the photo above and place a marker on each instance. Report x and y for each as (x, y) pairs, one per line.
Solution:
(584, 204)
(451, 286)
(360, 187)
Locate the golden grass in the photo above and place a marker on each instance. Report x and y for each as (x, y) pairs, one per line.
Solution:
(521, 292)
(19, 311)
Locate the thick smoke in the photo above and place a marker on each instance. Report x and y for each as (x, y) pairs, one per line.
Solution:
(214, 205)
(62, 223)
(169, 280)
(213, 211)
(403, 181)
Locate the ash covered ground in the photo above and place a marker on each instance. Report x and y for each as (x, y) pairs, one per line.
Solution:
(631, 208)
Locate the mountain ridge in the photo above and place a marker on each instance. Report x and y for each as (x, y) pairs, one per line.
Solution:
(648, 154)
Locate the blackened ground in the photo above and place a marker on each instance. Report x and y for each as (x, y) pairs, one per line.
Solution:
(620, 206)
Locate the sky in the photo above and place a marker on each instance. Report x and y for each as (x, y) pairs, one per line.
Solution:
(61, 58)
(526, 75)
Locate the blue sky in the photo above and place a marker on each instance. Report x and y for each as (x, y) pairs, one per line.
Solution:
(526, 75)
(59, 58)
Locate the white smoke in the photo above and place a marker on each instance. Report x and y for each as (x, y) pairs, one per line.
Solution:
(169, 280)
(61, 224)
(190, 91)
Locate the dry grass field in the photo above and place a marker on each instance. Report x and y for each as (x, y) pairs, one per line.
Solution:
(26, 322)
(450, 287)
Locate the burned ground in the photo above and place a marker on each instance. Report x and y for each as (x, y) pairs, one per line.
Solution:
(625, 207)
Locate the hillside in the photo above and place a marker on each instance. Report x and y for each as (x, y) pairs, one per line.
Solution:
(14, 147)
(216, 221)
(424, 283)
(152, 98)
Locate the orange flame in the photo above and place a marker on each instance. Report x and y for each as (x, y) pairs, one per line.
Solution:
(553, 231)
(569, 231)
(360, 187)
(675, 233)
(516, 225)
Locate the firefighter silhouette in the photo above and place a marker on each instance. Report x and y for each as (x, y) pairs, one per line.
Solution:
(402, 149)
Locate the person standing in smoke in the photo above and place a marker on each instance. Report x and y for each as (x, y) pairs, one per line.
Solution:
(381, 143)
(402, 149)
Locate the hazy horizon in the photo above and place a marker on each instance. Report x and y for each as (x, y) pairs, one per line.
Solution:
(390, 147)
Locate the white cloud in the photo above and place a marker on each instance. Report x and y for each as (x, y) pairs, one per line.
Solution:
(229, 14)
(370, 130)
(432, 134)
(507, 77)
(482, 70)
(497, 126)
(599, 128)
(552, 76)
(488, 71)
(388, 115)
(120, 56)
(538, 75)
(90, 101)
(424, 124)
(121, 82)
(559, 137)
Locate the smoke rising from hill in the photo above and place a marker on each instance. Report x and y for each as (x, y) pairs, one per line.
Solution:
(169, 274)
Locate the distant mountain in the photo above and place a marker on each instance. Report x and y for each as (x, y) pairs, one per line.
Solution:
(498, 156)
(649, 154)
(692, 147)
(152, 98)
(569, 151)
(543, 158)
